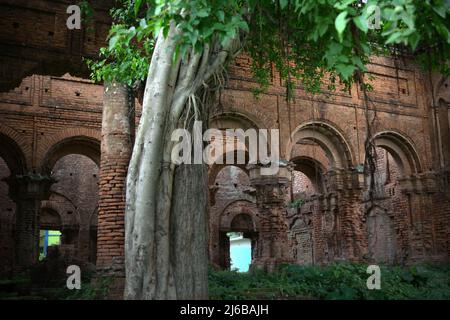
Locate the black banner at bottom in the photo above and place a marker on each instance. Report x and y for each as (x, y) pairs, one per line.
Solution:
(239, 310)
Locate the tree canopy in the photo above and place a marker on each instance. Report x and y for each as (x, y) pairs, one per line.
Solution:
(303, 39)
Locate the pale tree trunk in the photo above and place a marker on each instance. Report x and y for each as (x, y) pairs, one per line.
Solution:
(166, 217)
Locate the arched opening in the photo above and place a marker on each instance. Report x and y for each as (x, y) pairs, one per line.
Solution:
(401, 150)
(231, 193)
(81, 145)
(395, 159)
(321, 157)
(307, 178)
(318, 152)
(241, 243)
(50, 227)
(75, 194)
(238, 241)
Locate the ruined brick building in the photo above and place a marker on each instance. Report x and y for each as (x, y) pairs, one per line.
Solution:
(62, 168)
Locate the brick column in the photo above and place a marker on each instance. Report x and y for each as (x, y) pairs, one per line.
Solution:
(27, 191)
(116, 148)
(271, 191)
(348, 186)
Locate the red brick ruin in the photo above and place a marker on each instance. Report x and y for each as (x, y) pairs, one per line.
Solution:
(65, 143)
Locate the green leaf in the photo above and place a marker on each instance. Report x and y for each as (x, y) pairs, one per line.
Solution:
(414, 40)
(361, 23)
(113, 41)
(358, 63)
(137, 6)
(202, 13)
(408, 20)
(393, 38)
(283, 4)
(346, 71)
(440, 10)
(221, 15)
(341, 22)
(342, 5)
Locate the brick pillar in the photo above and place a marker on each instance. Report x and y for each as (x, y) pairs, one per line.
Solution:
(348, 185)
(27, 191)
(116, 146)
(271, 192)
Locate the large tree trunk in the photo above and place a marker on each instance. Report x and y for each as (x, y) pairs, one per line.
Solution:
(189, 232)
(165, 235)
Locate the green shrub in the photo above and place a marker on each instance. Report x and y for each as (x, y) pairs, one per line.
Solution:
(337, 281)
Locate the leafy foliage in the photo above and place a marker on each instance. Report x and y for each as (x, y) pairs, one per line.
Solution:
(23, 287)
(305, 40)
(338, 281)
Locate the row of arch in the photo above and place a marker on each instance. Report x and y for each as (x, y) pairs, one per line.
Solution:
(71, 156)
(323, 133)
(333, 151)
(16, 150)
(339, 152)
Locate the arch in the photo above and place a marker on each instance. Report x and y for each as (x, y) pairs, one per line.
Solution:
(63, 205)
(312, 169)
(50, 219)
(13, 149)
(401, 149)
(235, 208)
(234, 120)
(330, 139)
(71, 141)
(215, 169)
(219, 244)
(238, 120)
